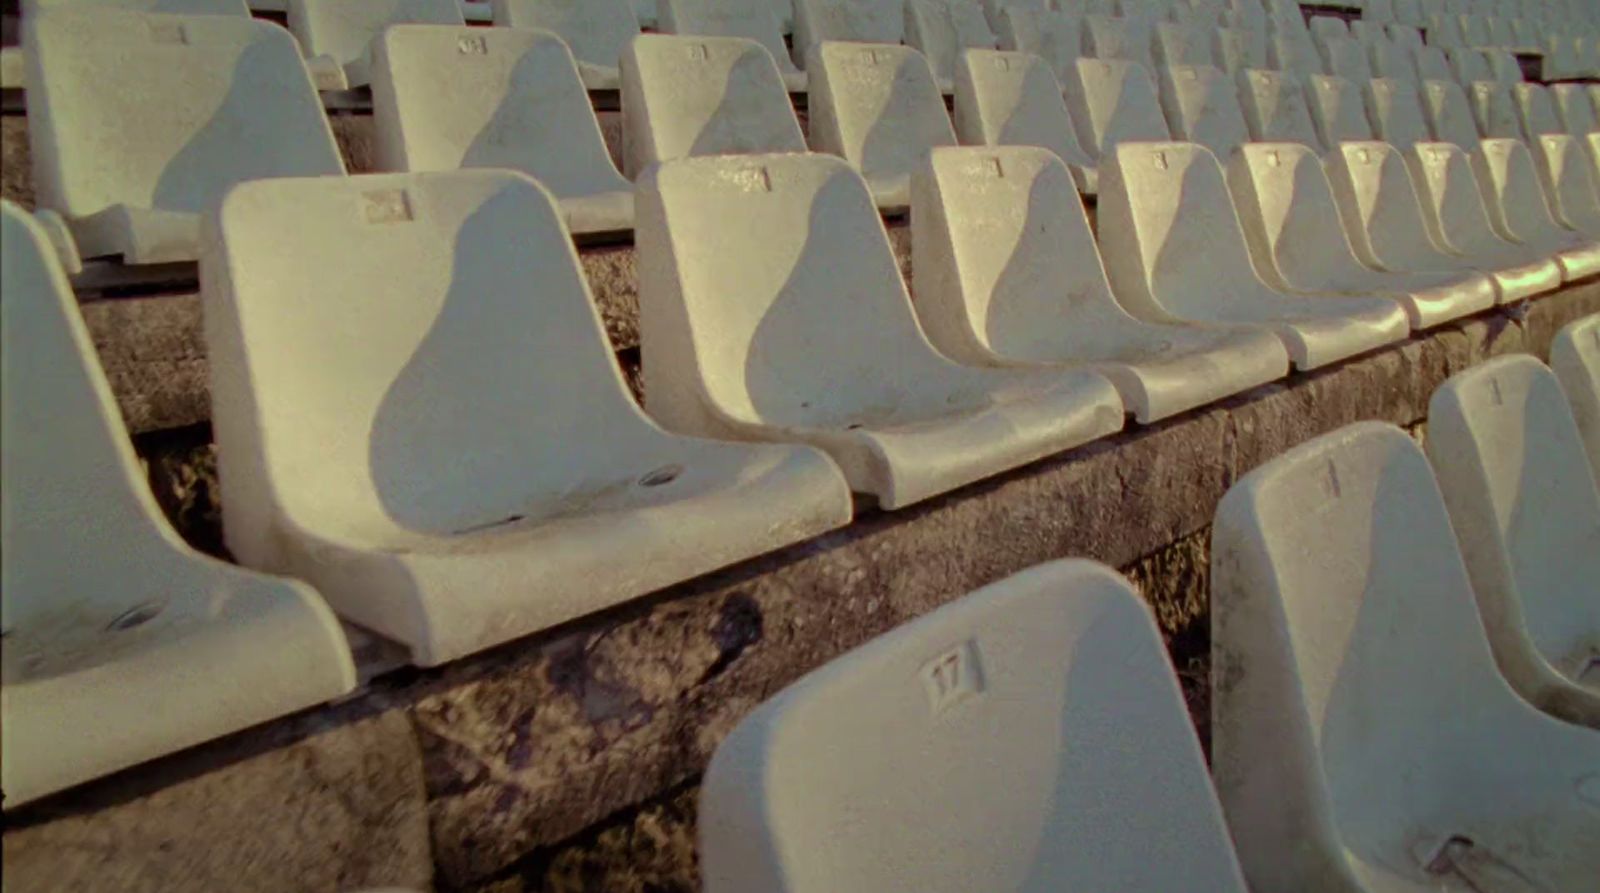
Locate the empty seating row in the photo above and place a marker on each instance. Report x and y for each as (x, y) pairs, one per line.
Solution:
(1361, 731)
(396, 497)
(220, 101)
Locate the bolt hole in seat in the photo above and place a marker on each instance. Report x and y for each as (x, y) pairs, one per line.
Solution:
(138, 122)
(1525, 505)
(1285, 204)
(1027, 737)
(1362, 737)
(421, 415)
(445, 98)
(1175, 250)
(798, 327)
(1006, 272)
(121, 643)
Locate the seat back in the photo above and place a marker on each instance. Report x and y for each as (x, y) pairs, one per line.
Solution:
(1503, 66)
(1180, 45)
(193, 105)
(1449, 114)
(342, 29)
(941, 30)
(1112, 101)
(1012, 99)
(1575, 359)
(1239, 48)
(1569, 182)
(445, 98)
(876, 106)
(1495, 110)
(1380, 207)
(1346, 649)
(684, 96)
(1292, 55)
(1346, 59)
(802, 300)
(1005, 260)
(1052, 36)
(1524, 503)
(974, 705)
(1325, 29)
(31, 8)
(1285, 205)
(1575, 108)
(1275, 108)
(1396, 113)
(1453, 207)
(1509, 184)
(1123, 39)
(1536, 111)
(1338, 110)
(751, 19)
(472, 367)
(596, 31)
(862, 21)
(1202, 107)
(1431, 64)
(1391, 60)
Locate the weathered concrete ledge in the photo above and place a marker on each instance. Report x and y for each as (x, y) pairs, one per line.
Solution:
(526, 746)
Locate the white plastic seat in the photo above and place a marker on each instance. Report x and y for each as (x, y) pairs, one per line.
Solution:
(1449, 114)
(445, 98)
(1293, 55)
(1494, 110)
(994, 10)
(1346, 59)
(1503, 66)
(1202, 107)
(684, 96)
(1396, 113)
(1475, 31)
(1458, 221)
(1275, 108)
(877, 107)
(1239, 48)
(861, 21)
(1006, 272)
(1126, 40)
(1012, 99)
(1327, 28)
(1391, 60)
(1053, 37)
(1285, 204)
(1444, 31)
(1179, 45)
(1174, 250)
(1112, 101)
(1523, 500)
(1569, 183)
(1338, 110)
(799, 328)
(941, 29)
(1468, 66)
(111, 621)
(479, 472)
(1575, 359)
(1536, 111)
(1029, 736)
(1362, 738)
(1518, 211)
(1431, 64)
(1383, 215)
(189, 106)
(750, 19)
(1576, 110)
(337, 34)
(1405, 35)
(596, 31)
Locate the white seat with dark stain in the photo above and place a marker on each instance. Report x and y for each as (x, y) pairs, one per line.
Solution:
(111, 621)
(1362, 737)
(423, 417)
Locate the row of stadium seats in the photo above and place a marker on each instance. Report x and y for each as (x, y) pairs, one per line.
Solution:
(1365, 729)
(219, 100)
(418, 415)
